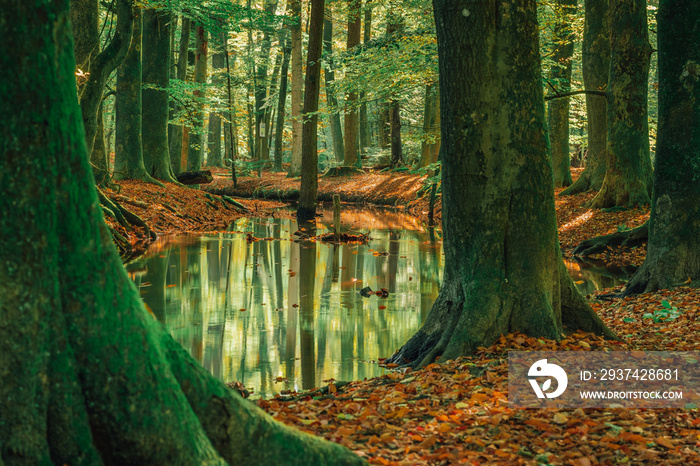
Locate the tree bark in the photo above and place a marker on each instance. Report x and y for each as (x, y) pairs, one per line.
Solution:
(195, 153)
(503, 267)
(560, 79)
(306, 209)
(332, 101)
(297, 83)
(78, 385)
(364, 122)
(352, 124)
(396, 146)
(628, 177)
(596, 67)
(176, 133)
(262, 150)
(128, 150)
(673, 251)
(156, 81)
(430, 146)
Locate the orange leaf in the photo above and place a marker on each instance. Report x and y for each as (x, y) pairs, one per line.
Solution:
(664, 442)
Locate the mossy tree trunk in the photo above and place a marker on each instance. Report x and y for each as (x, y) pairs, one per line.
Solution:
(306, 209)
(364, 121)
(503, 266)
(128, 150)
(176, 131)
(262, 149)
(352, 123)
(332, 101)
(596, 67)
(560, 80)
(195, 152)
(156, 81)
(673, 251)
(89, 377)
(628, 177)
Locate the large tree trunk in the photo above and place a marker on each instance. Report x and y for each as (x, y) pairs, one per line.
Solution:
(89, 377)
(309, 161)
(503, 267)
(560, 79)
(332, 101)
(128, 150)
(628, 177)
(673, 252)
(156, 81)
(176, 131)
(352, 124)
(297, 83)
(596, 67)
(195, 153)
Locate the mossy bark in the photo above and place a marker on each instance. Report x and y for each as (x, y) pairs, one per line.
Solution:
(218, 63)
(673, 252)
(156, 81)
(88, 376)
(628, 177)
(596, 67)
(560, 79)
(297, 91)
(503, 267)
(176, 131)
(281, 103)
(306, 209)
(431, 126)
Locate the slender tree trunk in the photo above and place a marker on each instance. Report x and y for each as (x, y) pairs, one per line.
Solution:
(396, 146)
(281, 105)
(628, 179)
(98, 158)
(195, 154)
(352, 127)
(309, 162)
(176, 134)
(673, 252)
(596, 67)
(560, 79)
(331, 100)
(128, 157)
(364, 122)
(89, 377)
(297, 83)
(261, 85)
(218, 63)
(503, 267)
(156, 81)
(270, 110)
(231, 127)
(430, 145)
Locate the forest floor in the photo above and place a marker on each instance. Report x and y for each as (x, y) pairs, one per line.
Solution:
(457, 411)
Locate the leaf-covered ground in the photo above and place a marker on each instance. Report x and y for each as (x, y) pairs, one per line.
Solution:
(456, 411)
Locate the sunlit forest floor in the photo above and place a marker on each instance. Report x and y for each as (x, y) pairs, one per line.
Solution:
(457, 411)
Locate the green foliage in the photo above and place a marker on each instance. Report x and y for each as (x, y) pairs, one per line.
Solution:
(665, 314)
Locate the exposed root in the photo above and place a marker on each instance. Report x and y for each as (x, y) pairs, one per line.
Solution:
(626, 239)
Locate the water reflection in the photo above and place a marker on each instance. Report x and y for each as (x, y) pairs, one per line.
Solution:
(279, 314)
(275, 313)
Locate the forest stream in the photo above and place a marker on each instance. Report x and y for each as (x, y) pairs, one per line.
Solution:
(276, 314)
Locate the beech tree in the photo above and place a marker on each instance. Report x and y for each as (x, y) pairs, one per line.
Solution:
(195, 152)
(88, 376)
(352, 122)
(175, 133)
(294, 7)
(329, 73)
(673, 252)
(503, 267)
(595, 67)
(309, 153)
(628, 176)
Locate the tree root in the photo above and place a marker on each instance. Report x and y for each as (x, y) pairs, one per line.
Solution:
(626, 239)
(127, 220)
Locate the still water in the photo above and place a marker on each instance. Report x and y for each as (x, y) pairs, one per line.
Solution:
(260, 306)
